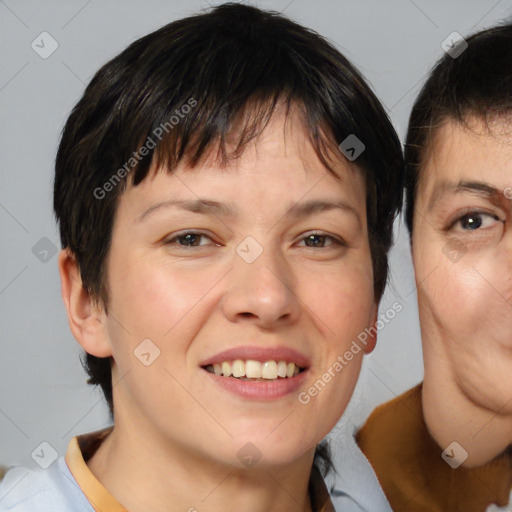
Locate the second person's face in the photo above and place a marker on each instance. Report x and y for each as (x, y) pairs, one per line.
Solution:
(462, 250)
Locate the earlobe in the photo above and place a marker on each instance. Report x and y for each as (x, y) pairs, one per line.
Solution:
(371, 341)
(86, 318)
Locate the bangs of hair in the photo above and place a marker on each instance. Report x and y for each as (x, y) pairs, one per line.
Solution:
(224, 137)
(218, 93)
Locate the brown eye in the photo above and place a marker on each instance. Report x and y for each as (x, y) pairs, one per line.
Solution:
(315, 240)
(187, 239)
(190, 239)
(319, 240)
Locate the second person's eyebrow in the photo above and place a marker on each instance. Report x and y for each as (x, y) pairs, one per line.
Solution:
(475, 187)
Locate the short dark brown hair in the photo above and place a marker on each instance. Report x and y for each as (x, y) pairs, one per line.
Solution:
(477, 83)
(219, 63)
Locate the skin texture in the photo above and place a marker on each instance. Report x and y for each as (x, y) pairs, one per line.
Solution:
(175, 430)
(462, 252)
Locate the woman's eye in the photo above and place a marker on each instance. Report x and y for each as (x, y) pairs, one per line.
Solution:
(188, 239)
(194, 239)
(476, 220)
(318, 240)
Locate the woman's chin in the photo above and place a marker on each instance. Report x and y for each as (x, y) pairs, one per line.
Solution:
(264, 454)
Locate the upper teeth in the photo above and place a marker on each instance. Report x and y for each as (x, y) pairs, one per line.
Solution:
(255, 369)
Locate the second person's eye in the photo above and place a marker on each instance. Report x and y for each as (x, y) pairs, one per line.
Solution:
(476, 220)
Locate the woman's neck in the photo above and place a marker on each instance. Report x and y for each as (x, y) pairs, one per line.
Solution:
(143, 478)
(451, 416)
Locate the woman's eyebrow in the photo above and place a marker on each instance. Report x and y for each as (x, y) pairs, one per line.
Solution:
(478, 188)
(216, 208)
(300, 210)
(201, 206)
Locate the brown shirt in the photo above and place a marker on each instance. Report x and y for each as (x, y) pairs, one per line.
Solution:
(412, 473)
(83, 447)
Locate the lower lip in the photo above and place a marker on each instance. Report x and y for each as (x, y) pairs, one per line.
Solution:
(260, 390)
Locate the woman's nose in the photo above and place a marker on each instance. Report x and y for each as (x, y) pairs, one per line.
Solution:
(261, 287)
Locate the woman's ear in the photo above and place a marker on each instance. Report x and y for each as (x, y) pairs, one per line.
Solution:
(371, 340)
(87, 319)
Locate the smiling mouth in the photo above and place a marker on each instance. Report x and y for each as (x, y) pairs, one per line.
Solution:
(252, 370)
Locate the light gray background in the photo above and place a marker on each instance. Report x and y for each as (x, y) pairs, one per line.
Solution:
(43, 394)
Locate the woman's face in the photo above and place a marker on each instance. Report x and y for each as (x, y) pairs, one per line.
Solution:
(462, 251)
(256, 269)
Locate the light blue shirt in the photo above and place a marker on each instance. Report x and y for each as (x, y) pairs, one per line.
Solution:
(355, 487)
(49, 490)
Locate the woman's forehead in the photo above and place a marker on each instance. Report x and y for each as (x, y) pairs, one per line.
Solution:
(468, 152)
